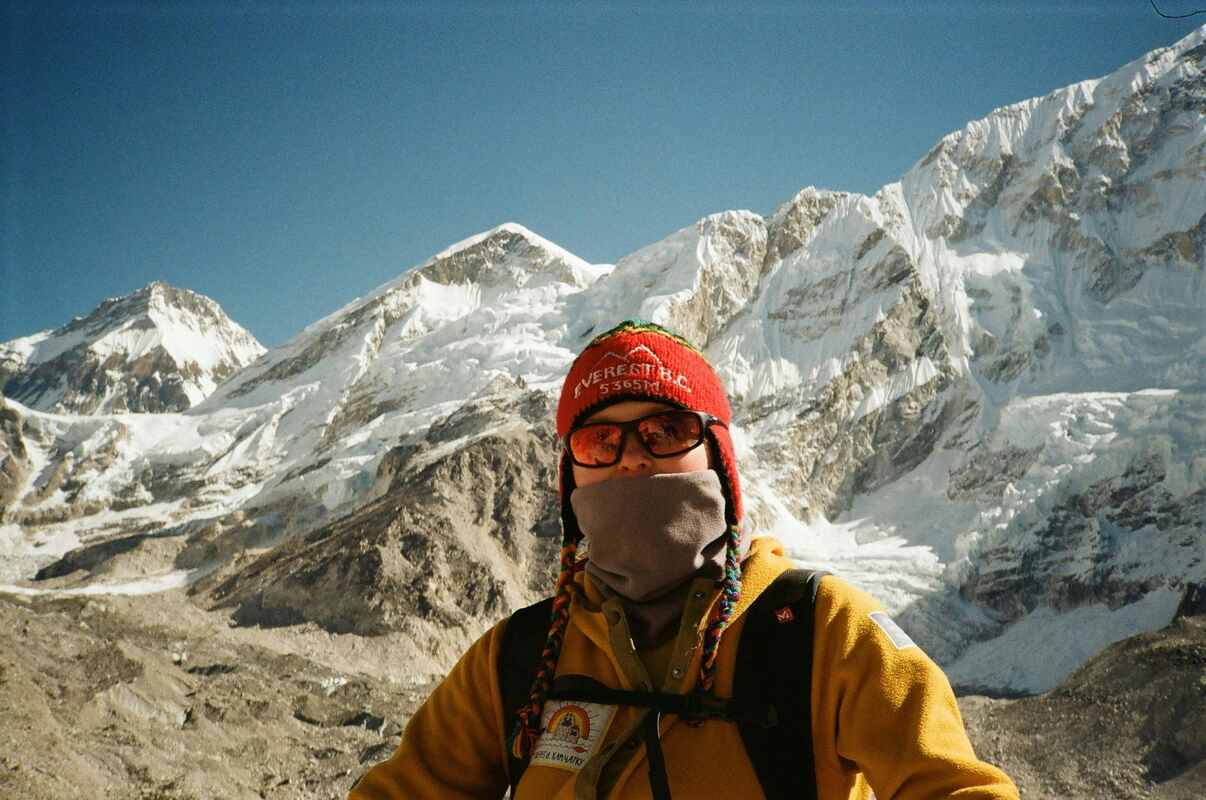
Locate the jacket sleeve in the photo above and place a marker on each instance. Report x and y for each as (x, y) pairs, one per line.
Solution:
(454, 746)
(884, 708)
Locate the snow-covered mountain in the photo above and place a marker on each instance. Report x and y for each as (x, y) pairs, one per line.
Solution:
(158, 349)
(979, 394)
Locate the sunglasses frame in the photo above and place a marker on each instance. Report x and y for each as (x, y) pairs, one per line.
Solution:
(705, 420)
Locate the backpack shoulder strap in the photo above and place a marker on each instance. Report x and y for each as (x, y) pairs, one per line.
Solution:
(774, 667)
(518, 659)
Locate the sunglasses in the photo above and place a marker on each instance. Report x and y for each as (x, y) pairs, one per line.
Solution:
(662, 434)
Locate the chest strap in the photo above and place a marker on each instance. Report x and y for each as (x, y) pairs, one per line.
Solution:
(692, 707)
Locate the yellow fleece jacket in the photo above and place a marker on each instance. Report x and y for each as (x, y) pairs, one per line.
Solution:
(884, 716)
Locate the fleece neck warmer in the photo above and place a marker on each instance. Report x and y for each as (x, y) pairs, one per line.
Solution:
(648, 538)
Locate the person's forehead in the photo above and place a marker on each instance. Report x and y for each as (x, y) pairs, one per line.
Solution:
(626, 410)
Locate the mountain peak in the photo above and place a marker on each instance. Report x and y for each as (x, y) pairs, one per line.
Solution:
(508, 255)
(114, 311)
(502, 231)
(160, 348)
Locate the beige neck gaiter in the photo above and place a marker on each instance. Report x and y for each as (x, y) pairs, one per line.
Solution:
(648, 538)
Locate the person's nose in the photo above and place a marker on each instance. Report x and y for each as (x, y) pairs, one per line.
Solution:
(635, 457)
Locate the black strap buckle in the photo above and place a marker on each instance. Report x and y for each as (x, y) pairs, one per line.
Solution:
(700, 707)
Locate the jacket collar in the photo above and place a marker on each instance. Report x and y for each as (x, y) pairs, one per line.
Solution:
(766, 562)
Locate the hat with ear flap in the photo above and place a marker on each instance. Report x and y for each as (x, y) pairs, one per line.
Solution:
(637, 360)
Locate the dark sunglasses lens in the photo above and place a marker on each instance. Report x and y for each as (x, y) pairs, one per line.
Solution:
(671, 433)
(595, 445)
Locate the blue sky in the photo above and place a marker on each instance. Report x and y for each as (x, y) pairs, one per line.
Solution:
(284, 158)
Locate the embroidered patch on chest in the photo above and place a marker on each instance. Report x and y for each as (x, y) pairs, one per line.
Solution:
(889, 626)
(573, 732)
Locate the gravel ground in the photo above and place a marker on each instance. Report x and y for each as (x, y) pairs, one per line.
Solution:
(1129, 724)
(152, 698)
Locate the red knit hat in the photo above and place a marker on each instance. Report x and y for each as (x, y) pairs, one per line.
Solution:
(639, 360)
(636, 360)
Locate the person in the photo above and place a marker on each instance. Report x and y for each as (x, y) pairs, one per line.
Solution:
(649, 481)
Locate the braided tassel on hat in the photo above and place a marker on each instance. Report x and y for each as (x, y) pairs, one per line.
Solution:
(527, 723)
(730, 593)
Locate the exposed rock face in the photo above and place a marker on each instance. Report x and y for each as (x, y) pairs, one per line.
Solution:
(795, 222)
(151, 383)
(854, 436)
(694, 281)
(1111, 521)
(1089, 546)
(466, 531)
(732, 247)
(137, 353)
(14, 457)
